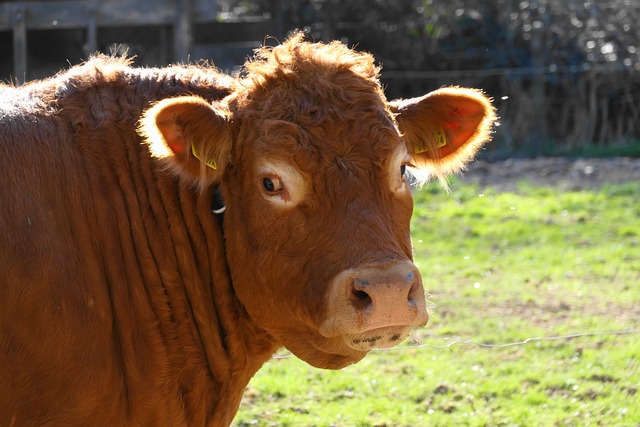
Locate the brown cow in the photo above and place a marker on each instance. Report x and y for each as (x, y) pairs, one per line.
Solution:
(125, 301)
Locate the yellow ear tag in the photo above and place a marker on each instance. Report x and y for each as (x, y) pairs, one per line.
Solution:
(209, 162)
(439, 138)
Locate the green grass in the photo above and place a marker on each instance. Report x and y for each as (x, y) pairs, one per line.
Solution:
(498, 268)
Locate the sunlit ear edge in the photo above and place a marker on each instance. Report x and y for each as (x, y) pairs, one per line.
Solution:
(189, 136)
(435, 160)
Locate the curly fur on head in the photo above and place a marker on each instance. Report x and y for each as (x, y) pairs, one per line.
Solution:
(322, 71)
(296, 58)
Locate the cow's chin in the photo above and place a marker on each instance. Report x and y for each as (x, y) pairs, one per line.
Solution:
(322, 352)
(344, 350)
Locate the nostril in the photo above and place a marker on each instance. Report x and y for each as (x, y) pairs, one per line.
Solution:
(414, 293)
(361, 295)
(360, 299)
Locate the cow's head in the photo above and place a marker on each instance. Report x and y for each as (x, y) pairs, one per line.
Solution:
(311, 161)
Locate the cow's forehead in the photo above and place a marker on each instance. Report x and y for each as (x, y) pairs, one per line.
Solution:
(338, 110)
(331, 133)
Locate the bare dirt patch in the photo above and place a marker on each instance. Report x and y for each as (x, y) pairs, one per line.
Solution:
(559, 172)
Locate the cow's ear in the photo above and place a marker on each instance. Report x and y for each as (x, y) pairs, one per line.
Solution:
(190, 135)
(444, 129)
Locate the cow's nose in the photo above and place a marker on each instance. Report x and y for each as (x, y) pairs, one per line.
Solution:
(387, 296)
(385, 290)
(376, 296)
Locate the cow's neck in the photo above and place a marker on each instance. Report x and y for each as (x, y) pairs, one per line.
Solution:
(246, 346)
(163, 260)
(233, 346)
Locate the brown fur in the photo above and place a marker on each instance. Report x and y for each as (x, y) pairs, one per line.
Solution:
(122, 300)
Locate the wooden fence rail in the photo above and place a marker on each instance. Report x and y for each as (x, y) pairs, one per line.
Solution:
(21, 17)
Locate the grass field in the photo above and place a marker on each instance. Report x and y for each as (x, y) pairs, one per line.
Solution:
(499, 267)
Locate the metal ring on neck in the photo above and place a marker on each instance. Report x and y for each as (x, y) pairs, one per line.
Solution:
(217, 203)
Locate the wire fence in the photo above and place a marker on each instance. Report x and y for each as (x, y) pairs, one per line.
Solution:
(470, 342)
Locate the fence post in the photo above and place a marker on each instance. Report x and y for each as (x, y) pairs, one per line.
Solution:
(278, 19)
(538, 133)
(327, 20)
(19, 22)
(92, 28)
(182, 31)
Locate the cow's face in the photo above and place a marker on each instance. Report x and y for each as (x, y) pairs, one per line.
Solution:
(312, 169)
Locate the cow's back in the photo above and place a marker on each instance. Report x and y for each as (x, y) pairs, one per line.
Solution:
(94, 245)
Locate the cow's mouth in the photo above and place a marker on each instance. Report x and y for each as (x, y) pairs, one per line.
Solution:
(377, 338)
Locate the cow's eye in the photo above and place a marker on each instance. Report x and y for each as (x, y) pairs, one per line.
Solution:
(272, 185)
(403, 170)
